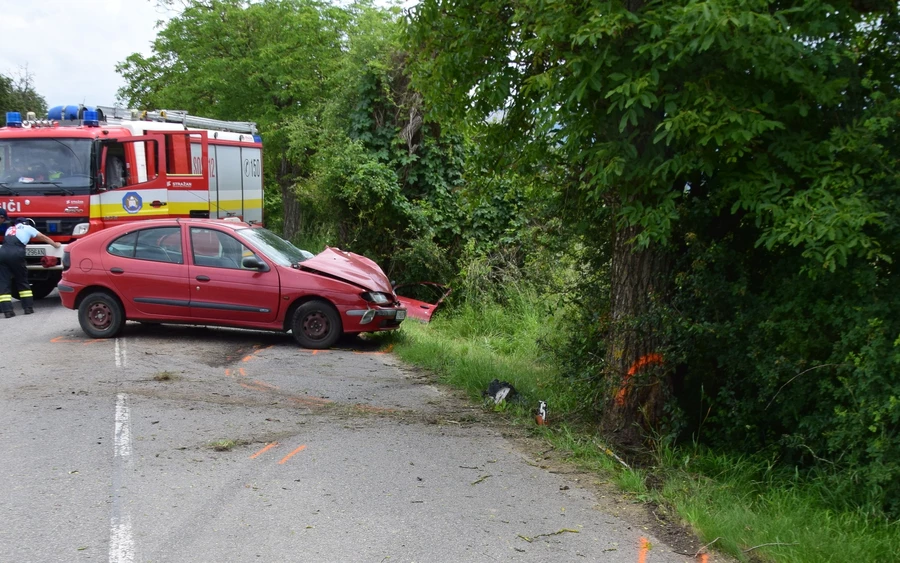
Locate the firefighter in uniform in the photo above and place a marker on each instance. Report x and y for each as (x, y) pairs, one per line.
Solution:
(13, 266)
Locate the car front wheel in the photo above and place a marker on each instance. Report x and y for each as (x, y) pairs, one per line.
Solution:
(316, 324)
(100, 315)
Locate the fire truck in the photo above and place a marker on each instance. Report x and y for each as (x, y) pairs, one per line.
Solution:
(85, 168)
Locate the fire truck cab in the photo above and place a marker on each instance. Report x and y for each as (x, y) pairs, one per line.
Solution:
(83, 169)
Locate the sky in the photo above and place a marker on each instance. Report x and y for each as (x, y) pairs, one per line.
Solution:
(71, 47)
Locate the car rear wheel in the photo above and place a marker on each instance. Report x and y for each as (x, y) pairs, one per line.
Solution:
(100, 315)
(316, 324)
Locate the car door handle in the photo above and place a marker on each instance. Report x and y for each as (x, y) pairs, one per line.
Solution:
(202, 278)
(116, 271)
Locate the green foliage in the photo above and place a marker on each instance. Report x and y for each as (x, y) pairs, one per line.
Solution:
(807, 368)
(747, 98)
(17, 93)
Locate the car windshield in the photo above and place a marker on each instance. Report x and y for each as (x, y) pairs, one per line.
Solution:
(45, 166)
(273, 246)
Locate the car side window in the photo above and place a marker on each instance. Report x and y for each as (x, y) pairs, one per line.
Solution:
(161, 244)
(123, 246)
(217, 249)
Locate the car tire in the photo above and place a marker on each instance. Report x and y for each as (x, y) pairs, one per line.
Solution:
(316, 324)
(100, 315)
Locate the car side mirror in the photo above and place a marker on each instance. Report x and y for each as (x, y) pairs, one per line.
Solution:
(254, 263)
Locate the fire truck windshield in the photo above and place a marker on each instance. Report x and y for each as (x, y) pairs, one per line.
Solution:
(46, 166)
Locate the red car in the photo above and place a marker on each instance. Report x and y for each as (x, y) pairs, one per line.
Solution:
(219, 272)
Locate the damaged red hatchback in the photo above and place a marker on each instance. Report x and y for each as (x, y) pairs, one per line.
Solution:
(220, 272)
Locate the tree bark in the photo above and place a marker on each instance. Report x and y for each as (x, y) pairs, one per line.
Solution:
(290, 206)
(639, 381)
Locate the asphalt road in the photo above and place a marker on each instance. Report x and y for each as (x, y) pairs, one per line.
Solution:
(177, 444)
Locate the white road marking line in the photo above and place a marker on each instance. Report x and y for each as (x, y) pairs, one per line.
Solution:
(123, 428)
(121, 540)
(121, 543)
(121, 353)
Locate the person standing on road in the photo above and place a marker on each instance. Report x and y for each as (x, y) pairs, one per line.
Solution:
(13, 265)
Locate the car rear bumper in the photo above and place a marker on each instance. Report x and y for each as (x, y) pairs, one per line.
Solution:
(67, 293)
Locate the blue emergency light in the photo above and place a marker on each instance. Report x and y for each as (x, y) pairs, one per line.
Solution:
(91, 119)
(13, 119)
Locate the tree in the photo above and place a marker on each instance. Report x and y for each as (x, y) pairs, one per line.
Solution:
(778, 114)
(266, 62)
(17, 93)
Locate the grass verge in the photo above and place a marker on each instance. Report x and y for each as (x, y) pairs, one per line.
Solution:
(747, 507)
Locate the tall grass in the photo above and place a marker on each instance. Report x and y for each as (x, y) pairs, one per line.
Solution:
(741, 504)
(480, 343)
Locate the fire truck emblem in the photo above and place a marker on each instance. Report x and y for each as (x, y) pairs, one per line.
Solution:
(132, 202)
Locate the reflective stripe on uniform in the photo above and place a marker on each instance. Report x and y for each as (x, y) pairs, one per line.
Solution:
(5, 298)
(25, 293)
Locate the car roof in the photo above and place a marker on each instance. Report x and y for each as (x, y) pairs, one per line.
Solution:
(149, 223)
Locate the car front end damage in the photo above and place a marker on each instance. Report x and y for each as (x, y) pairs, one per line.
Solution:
(378, 307)
(383, 311)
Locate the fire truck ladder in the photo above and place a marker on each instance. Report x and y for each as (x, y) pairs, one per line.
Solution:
(177, 116)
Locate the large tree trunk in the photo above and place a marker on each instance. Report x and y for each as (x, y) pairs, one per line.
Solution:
(639, 380)
(289, 203)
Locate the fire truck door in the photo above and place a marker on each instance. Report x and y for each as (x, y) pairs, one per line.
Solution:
(185, 163)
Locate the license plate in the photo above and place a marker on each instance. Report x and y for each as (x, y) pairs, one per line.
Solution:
(34, 251)
(401, 314)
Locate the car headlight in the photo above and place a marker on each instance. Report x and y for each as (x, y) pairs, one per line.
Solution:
(377, 297)
(81, 228)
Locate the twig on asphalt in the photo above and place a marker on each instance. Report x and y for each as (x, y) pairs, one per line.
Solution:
(558, 532)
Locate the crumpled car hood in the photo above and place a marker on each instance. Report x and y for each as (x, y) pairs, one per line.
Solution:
(351, 267)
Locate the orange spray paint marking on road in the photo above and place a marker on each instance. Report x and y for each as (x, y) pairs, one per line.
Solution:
(257, 385)
(308, 401)
(642, 554)
(64, 340)
(264, 450)
(256, 350)
(641, 363)
(290, 455)
(704, 558)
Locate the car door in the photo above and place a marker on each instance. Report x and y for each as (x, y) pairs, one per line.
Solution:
(147, 269)
(223, 291)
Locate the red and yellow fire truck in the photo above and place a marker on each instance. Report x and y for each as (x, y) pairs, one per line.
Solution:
(83, 169)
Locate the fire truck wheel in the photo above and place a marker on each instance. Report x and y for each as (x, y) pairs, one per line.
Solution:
(100, 315)
(43, 288)
(316, 325)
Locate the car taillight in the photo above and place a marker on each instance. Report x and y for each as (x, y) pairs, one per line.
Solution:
(67, 260)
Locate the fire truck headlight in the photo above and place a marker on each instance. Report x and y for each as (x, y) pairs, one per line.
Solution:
(81, 229)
